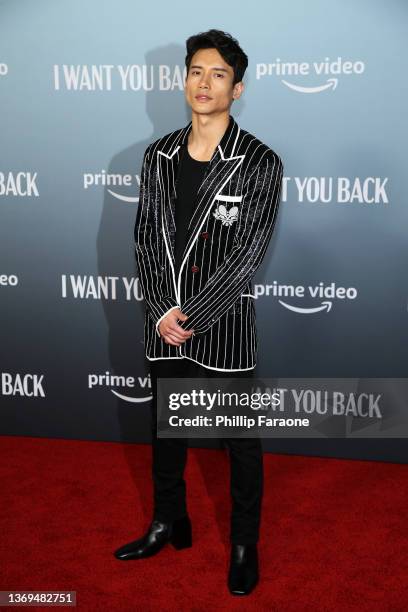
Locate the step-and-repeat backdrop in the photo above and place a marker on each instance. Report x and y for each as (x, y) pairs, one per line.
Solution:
(85, 87)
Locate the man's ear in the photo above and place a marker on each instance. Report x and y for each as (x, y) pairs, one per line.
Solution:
(238, 90)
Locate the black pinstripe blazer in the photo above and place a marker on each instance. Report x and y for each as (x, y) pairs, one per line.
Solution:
(228, 234)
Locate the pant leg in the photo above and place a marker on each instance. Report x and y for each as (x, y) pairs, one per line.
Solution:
(246, 467)
(246, 471)
(169, 456)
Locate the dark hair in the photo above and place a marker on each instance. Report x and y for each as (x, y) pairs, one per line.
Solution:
(227, 47)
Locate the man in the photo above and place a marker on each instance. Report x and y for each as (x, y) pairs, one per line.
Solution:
(209, 195)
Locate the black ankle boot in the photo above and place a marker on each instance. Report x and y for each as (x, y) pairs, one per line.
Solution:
(177, 532)
(243, 571)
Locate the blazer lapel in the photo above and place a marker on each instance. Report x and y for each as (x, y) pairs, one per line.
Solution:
(222, 166)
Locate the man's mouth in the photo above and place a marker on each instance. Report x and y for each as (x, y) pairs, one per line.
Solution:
(202, 98)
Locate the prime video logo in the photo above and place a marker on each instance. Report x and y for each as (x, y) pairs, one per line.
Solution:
(113, 182)
(325, 293)
(125, 383)
(328, 72)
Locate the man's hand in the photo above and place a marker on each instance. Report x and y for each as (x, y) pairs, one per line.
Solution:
(170, 330)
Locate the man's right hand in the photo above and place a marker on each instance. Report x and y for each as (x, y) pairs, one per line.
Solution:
(170, 330)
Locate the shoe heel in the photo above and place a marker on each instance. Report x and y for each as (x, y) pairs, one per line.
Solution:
(181, 536)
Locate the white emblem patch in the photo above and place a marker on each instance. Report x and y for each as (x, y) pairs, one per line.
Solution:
(227, 217)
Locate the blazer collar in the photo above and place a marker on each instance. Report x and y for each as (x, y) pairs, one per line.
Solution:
(225, 148)
(222, 166)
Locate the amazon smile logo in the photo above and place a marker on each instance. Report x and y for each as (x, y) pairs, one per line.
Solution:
(323, 294)
(128, 388)
(328, 73)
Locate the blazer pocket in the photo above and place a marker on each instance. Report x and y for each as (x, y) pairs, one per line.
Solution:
(229, 198)
(236, 308)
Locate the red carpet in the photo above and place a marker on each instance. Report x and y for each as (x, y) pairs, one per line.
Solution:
(334, 532)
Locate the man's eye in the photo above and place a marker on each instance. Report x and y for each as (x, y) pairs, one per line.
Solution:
(219, 74)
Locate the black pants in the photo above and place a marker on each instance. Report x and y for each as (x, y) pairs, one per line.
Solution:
(169, 456)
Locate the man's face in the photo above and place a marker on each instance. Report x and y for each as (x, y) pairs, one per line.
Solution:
(209, 75)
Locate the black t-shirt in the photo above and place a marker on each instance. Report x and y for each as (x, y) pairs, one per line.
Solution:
(189, 179)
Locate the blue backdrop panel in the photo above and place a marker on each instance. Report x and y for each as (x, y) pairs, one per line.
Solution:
(85, 87)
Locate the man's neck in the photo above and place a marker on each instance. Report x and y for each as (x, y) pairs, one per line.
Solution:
(206, 132)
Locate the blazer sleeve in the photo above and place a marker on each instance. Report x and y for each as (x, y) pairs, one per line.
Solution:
(148, 245)
(259, 206)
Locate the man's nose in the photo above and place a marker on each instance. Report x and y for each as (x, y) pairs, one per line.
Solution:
(204, 81)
